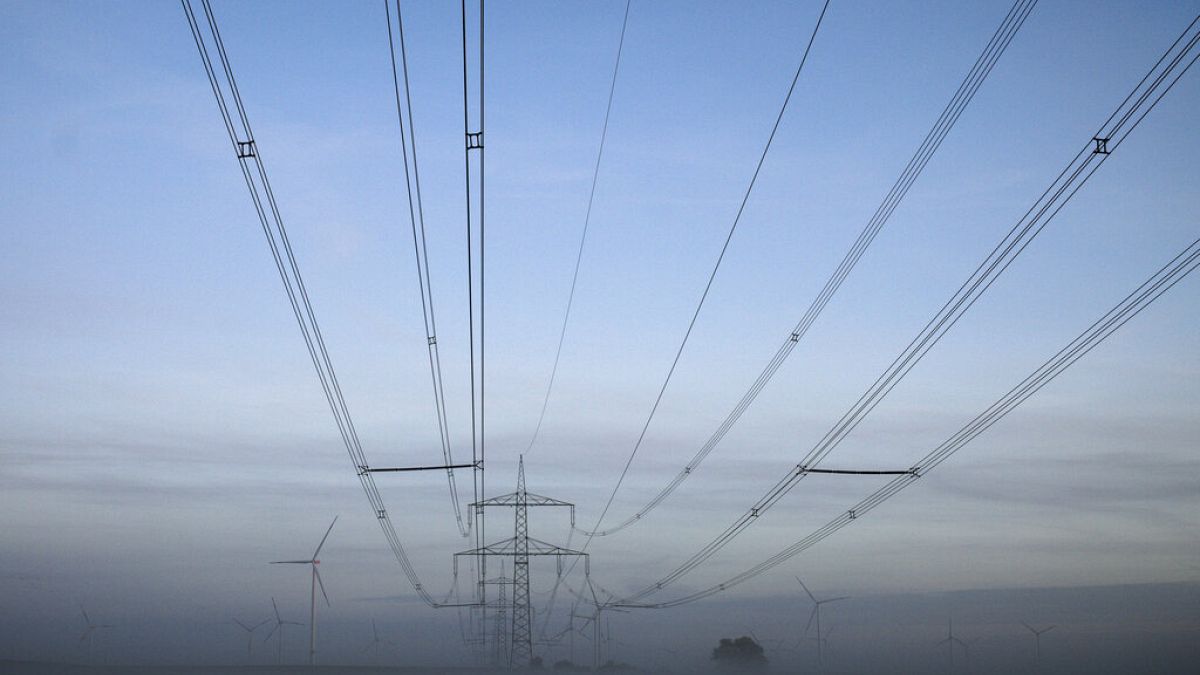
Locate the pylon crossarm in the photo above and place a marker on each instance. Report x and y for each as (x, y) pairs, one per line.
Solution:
(512, 499)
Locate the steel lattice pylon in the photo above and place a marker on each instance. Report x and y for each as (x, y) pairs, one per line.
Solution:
(520, 547)
(522, 631)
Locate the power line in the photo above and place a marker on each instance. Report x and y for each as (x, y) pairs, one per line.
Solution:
(254, 173)
(474, 141)
(1130, 306)
(412, 184)
(691, 324)
(562, 334)
(1094, 153)
(958, 103)
(712, 275)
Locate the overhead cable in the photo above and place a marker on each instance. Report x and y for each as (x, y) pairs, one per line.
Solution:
(712, 275)
(254, 172)
(958, 103)
(416, 218)
(1130, 306)
(1145, 96)
(587, 218)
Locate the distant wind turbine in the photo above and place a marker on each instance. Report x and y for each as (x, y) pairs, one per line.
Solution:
(279, 624)
(816, 614)
(950, 641)
(90, 631)
(250, 635)
(316, 580)
(374, 642)
(1037, 637)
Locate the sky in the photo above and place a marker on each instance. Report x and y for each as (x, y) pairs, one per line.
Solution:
(162, 435)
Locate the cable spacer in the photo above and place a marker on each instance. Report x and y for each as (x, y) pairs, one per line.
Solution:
(475, 140)
(245, 149)
(1101, 146)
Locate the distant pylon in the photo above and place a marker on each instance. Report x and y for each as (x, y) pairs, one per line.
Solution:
(499, 656)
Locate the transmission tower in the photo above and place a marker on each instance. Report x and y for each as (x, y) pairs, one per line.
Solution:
(522, 631)
(500, 652)
(520, 547)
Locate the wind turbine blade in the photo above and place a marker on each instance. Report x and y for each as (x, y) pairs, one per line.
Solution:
(259, 624)
(244, 626)
(86, 633)
(842, 597)
(812, 615)
(1047, 630)
(85, 616)
(273, 629)
(810, 595)
(318, 551)
(1031, 630)
(291, 562)
(278, 619)
(321, 584)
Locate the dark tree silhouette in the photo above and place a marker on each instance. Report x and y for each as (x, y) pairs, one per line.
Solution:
(743, 653)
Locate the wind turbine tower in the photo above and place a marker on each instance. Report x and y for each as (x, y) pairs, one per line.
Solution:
(316, 580)
(279, 624)
(250, 636)
(950, 641)
(375, 641)
(1037, 637)
(816, 614)
(89, 632)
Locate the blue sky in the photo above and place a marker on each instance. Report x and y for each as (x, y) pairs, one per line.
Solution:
(157, 405)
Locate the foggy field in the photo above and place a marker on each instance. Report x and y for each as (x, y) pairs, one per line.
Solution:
(38, 668)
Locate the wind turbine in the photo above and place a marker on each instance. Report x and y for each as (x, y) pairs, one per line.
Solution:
(279, 624)
(950, 642)
(90, 630)
(316, 580)
(816, 614)
(1037, 636)
(375, 642)
(250, 635)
